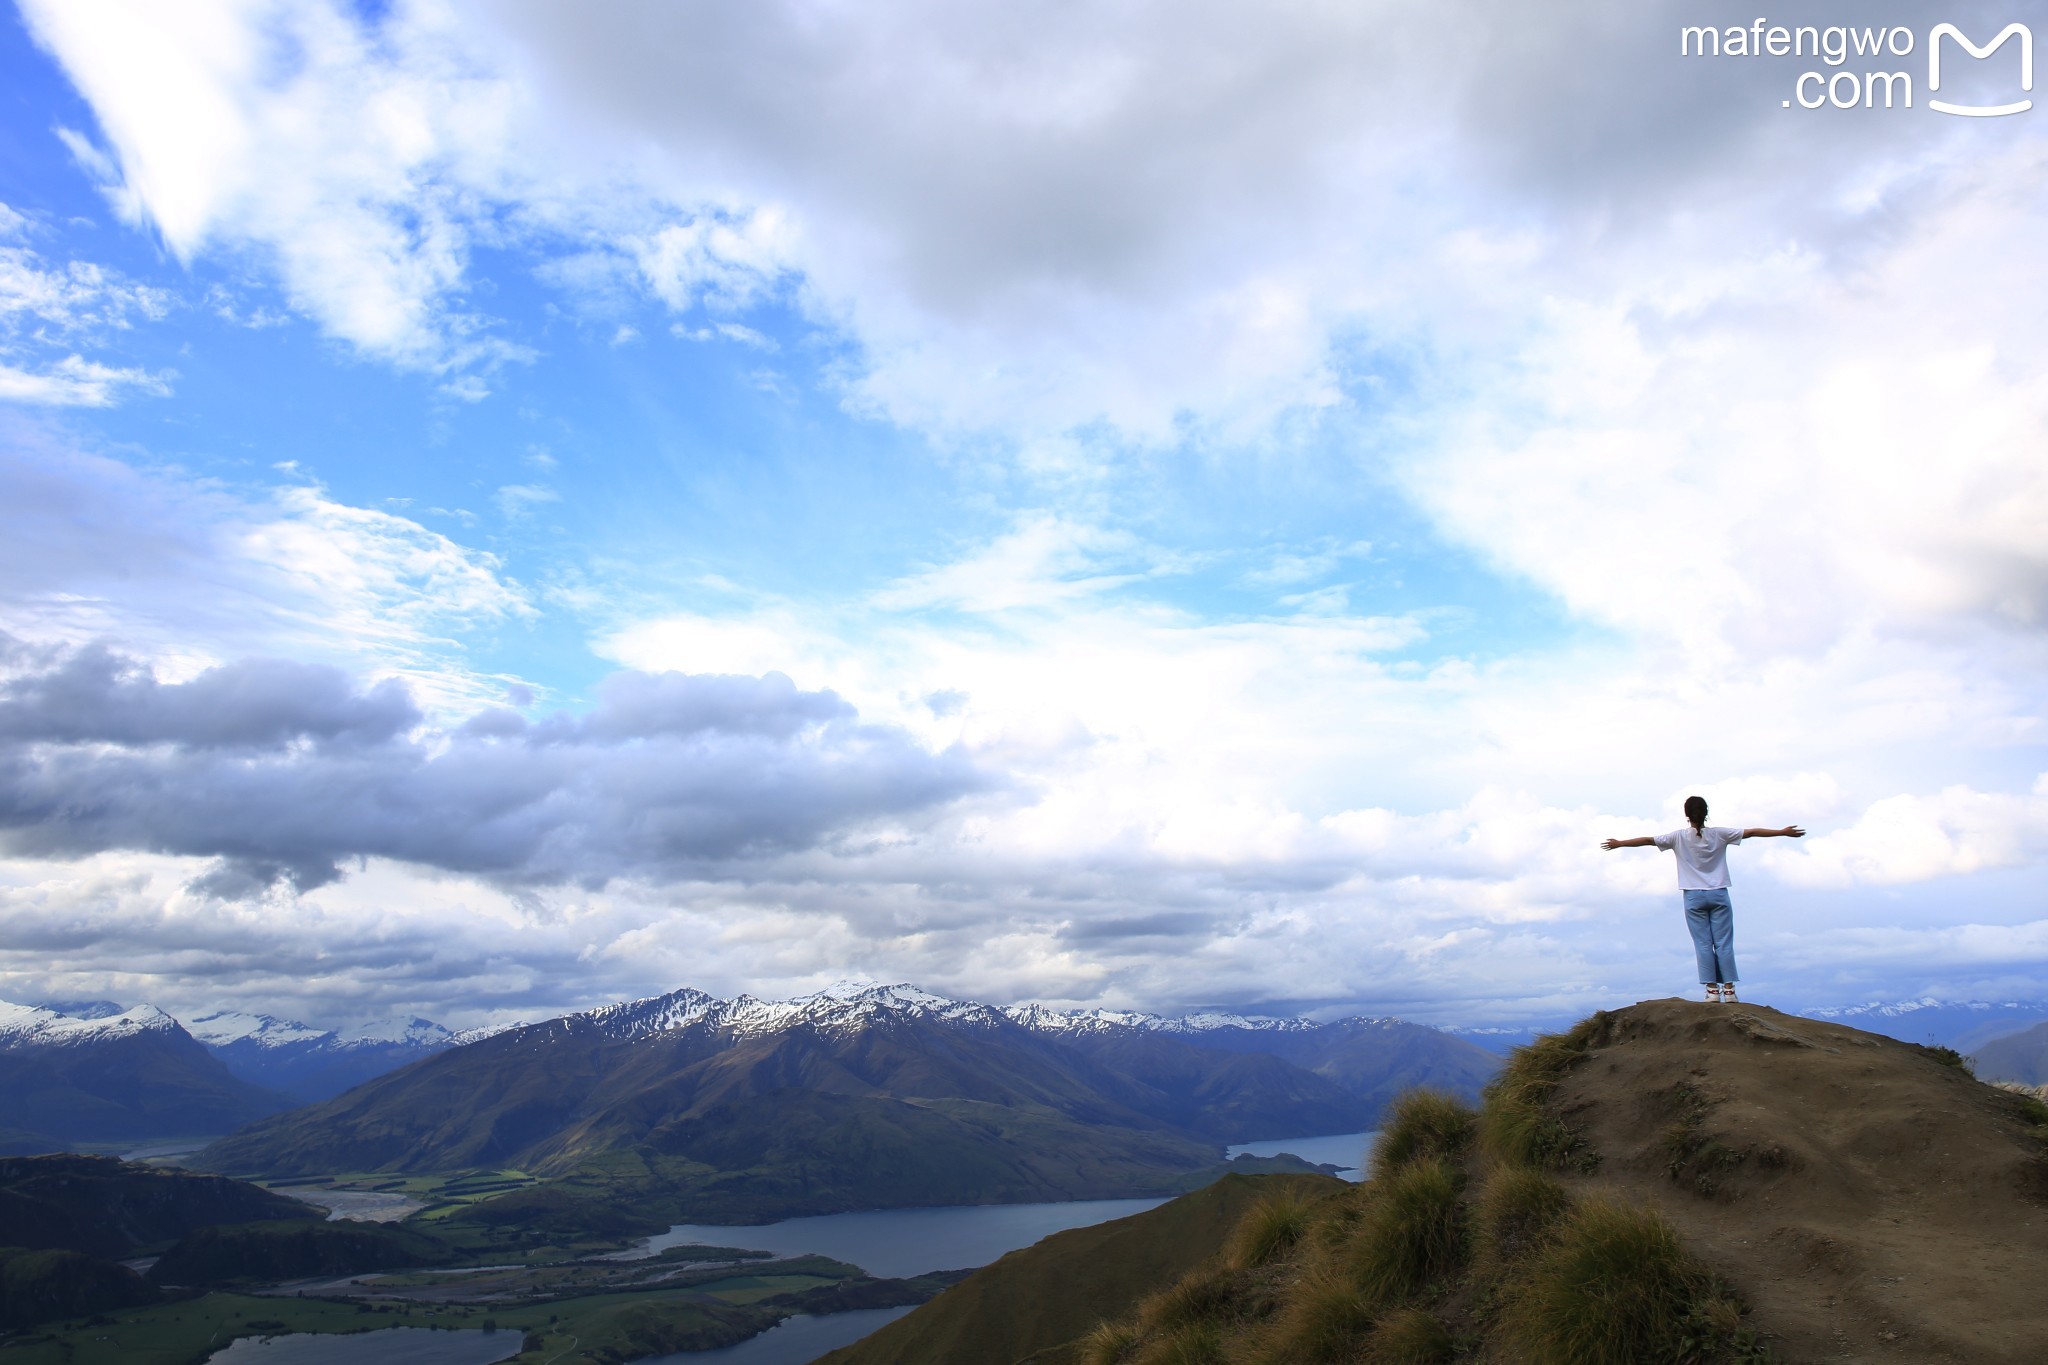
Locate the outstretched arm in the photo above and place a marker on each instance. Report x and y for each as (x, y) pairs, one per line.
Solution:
(1789, 832)
(1640, 841)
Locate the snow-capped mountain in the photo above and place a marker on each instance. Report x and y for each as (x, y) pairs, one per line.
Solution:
(904, 1088)
(839, 1008)
(131, 1075)
(310, 1063)
(223, 1027)
(849, 1006)
(1961, 1024)
(24, 1026)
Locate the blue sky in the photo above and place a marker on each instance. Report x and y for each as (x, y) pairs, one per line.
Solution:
(1174, 507)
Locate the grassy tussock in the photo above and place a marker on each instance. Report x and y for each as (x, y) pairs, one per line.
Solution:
(1269, 1231)
(1614, 1287)
(1412, 1230)
(1409, 1336)
(1111, 1343)
(1325, 1321)
(1416, 1267)
(1948, 1056)
(1424, 1123)
(1198, 1297)
(1516, 1213)
(1196, 1343)
(1516, 1125)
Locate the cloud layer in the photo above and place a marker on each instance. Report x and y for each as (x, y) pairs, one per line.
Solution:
(285, 771)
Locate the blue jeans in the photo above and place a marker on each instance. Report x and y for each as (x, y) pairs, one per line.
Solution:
(1712, 921)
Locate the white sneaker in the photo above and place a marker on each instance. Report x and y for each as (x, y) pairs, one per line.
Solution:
(1713, 994)
(1728, 994)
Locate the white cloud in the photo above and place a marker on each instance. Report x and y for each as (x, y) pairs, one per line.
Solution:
(516, 500)
(45, 309)
(722, 262)
(1845, 454)
(77, 382)
(287, 129)
(1950, 833)
(184, 570)
(1045, 559)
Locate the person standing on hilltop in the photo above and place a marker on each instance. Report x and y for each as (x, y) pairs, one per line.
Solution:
(1702, 853)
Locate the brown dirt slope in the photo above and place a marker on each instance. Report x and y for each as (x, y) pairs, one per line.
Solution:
(1035, 1301)
(1870, 1201)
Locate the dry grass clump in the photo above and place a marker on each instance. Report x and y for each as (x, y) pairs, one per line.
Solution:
(1409, 1336)
(1194, 1343)
(1416, 1266)
(1424, 1123)
(1412, 1230)
(1200, 1296)
(1111, 1343)
(1269, 1231)
(1614, 1287)
(1516, 1125)
(1324, 1321)
(1516, 1212)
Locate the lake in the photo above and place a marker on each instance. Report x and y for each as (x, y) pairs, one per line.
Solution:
(899, 1243)
(891, 1243)
(794, 1341)
(1344, 1150)
(386, 1346)
(903, 1242)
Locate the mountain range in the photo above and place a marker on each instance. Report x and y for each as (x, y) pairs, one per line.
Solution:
(2020, 1057)
(1964, 1025)
(311, 1064)
(859, 1096)
(125, 1077)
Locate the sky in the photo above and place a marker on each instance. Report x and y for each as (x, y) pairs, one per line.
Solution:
(507, 506)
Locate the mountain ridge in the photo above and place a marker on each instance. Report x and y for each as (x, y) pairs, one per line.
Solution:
(889, 1085)
(125, 1077)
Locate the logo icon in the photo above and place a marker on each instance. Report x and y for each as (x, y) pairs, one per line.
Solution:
(2021, 31)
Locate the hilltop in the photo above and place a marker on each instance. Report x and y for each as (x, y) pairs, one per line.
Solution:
(1668, 1181)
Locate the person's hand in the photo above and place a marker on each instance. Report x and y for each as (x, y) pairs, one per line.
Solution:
(1610, 844)
(1793, 832)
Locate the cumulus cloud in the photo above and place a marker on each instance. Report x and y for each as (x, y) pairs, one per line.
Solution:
(286, 770)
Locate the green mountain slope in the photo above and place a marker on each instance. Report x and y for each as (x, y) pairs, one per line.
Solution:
(136, 1077)
(891, 1108)
(39, 1286)
(104, 1207)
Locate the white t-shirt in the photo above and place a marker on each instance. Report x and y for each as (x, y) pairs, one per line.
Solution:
(1702, 857)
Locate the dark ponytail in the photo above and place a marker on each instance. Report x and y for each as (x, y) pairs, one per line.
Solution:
(1696, 811)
